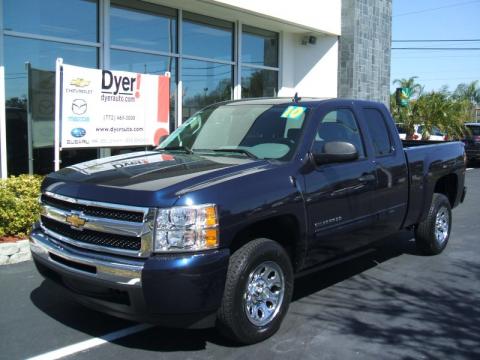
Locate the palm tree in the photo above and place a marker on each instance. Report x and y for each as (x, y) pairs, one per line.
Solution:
(411, 83)
(470, 92)
(443, 111)
(405, 115)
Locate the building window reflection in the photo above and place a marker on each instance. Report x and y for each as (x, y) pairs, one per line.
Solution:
(141, 37)
(259, 67)
(204, 83)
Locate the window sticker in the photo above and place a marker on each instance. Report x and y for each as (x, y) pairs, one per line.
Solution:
(293, 112)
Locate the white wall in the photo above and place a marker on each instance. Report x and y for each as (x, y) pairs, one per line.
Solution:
(316, 15)
(310, 70)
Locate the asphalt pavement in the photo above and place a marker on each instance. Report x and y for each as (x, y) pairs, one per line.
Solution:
(391, 303)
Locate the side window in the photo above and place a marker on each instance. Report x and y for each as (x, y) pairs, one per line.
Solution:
(338, 125)
(377, 128)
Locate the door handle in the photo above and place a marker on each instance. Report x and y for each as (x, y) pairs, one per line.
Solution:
(366, 178)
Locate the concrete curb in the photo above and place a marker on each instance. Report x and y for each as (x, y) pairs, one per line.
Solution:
(12, 253)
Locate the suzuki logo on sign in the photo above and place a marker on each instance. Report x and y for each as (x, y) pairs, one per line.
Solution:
(75, 221)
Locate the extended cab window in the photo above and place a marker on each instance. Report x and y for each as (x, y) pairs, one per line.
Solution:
(378, 131)
(338, 125)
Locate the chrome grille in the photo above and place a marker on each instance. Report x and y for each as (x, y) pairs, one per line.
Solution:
(92, 237)
(98, 226)
(116, 214)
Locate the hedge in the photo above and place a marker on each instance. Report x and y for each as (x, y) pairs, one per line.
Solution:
(19, 207)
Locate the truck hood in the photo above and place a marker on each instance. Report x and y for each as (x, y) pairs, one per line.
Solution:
(164, 173)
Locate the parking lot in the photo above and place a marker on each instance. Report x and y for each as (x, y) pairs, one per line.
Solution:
(390, 303)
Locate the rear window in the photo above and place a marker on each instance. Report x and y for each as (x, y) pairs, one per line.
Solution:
(475, 130)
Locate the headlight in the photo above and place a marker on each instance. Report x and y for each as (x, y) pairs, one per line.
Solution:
(186, 228)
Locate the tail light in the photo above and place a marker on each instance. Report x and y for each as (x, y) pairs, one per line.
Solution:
(415, 137)
(445, 138)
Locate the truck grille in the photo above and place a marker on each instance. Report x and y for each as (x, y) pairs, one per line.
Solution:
(92, 237)
(93, 210)
(96, 226)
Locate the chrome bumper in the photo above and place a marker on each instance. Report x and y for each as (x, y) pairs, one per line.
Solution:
(103, 267)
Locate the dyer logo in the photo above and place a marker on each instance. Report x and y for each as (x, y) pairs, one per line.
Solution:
(78, 132)
(113, 84)
(79, 106)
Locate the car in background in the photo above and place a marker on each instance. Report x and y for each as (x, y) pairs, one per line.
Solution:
(435, 135)
(472, 142)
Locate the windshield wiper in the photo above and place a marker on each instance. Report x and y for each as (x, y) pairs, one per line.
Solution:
(184, 148)
(240, 151)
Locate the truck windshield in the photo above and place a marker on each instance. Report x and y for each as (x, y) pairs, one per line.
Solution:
(263, 131)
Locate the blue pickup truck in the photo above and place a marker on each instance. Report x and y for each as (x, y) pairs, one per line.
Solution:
(212, 226)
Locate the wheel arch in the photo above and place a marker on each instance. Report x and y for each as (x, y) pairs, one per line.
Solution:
(284, 229)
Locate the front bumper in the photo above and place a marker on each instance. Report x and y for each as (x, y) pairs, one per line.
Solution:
(178, 290)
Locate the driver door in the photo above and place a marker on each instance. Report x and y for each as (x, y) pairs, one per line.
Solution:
(338, 195)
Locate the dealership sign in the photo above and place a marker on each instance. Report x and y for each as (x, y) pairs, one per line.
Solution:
(104, 108)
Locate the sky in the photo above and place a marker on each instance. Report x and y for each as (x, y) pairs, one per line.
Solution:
(436, 20)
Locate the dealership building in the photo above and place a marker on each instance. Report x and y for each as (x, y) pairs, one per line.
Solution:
(214, 50)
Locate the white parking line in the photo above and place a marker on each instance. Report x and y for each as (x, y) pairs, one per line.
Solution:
(469, 169)
(88, 344)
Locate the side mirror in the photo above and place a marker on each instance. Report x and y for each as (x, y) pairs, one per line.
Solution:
(335, 151)
(161, 138)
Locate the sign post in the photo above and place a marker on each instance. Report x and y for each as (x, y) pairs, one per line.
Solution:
(58, 112)
(3, 128)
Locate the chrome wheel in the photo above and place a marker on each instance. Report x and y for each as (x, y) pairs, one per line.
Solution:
(442, 223)
(264, 293)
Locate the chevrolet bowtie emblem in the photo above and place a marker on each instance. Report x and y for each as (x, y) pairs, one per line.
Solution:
(79, 82)
(75, 220)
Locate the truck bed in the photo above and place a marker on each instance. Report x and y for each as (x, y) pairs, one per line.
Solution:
(427, 162)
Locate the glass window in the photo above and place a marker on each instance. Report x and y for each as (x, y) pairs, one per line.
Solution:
(204, 83)
(146, 64)
(41, 56)
(378, 131)
(72, 19)
(254, 130)
(339, 125)
(259, 82)
(474, 130)
(149, 26)
(259, 47)
(207, 37)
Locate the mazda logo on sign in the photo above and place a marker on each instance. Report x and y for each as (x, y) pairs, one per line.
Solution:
(79, 106)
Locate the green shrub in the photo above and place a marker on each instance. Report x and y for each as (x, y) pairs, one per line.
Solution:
(19, 207)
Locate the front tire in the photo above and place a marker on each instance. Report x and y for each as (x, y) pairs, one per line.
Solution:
(432, 234)
(257, 292)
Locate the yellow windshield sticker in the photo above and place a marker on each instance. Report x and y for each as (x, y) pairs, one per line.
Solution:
(293, 112)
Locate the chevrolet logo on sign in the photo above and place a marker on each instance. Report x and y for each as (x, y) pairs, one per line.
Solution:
(79, 82)
(75, 221)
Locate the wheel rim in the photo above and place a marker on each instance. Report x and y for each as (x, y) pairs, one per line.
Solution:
(264, 293)
(442, 223)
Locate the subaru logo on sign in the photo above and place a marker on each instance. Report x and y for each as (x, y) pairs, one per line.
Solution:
(78, 132)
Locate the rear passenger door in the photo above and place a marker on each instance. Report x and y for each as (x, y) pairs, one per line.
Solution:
(390, 198)
(338, 195)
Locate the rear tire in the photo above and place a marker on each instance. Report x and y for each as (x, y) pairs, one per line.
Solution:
(432, 234)
(257, 292)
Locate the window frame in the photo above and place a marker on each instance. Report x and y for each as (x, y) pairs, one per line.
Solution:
(360, 133)
(387, 128)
